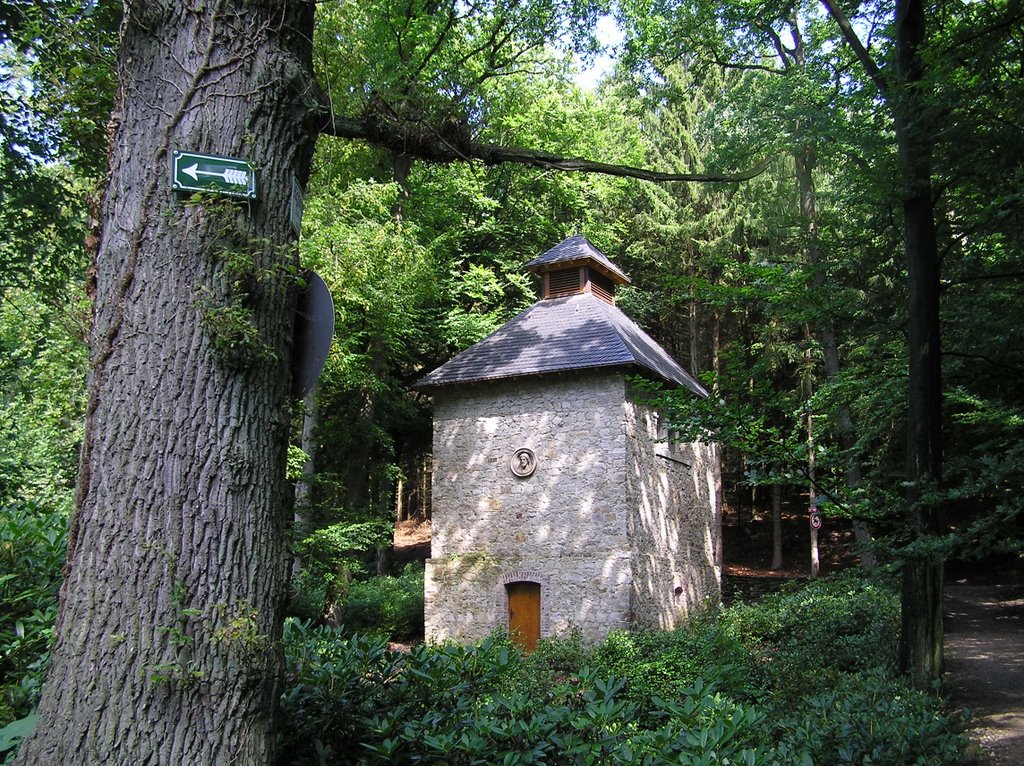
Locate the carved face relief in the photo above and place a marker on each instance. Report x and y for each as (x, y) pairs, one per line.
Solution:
(523, 462)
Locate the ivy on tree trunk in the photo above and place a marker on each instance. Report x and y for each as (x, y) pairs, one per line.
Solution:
(167, 640)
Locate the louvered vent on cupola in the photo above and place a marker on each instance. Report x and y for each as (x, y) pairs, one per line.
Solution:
(564, 282)
(575, 266)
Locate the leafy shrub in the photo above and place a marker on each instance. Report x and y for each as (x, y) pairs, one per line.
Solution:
(873, 719)
(804, 636)
(391, 606)
(664, 664)
(352, 700)
(553, 661)
(338, 686)
(636, 698)
(33, 543)
(333, 684)
(583, 721)
(331, 557)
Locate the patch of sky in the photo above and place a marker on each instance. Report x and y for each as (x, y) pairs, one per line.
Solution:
(591, 70)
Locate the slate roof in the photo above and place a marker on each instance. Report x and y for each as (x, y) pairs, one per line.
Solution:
(578, 332)
(577, 248)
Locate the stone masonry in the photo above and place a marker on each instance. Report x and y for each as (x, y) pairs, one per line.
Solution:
(619, 529)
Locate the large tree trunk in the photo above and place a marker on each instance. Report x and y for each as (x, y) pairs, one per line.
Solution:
(920, 649)
(167, 647)
(920, 646)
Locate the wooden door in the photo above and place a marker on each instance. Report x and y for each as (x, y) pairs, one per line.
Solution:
(524, 613)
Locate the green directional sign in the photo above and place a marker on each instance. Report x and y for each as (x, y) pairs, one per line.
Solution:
(210, 173)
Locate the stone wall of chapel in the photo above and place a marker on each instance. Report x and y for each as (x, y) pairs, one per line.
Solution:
(674, 523)
(564, 526)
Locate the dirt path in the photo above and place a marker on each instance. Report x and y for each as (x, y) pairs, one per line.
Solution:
(984, 626)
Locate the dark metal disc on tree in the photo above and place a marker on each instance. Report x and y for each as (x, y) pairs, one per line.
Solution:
(314, 331)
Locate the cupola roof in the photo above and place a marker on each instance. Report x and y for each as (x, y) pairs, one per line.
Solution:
(577, 251)
(580, 331)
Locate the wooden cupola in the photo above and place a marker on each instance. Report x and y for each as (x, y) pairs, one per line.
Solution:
(575, 266)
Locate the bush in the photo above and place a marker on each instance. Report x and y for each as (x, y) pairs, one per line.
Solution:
(33, 543)
(582, 721)
(333, 683)
(331, 557)
(352, 700)
(339, 686)
(659, 664)
(389, 606)
(871, 718)
(805, 636)
(636, 698)
(553, 661)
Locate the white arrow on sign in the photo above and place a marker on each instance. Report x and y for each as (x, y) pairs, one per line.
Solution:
(230, 175)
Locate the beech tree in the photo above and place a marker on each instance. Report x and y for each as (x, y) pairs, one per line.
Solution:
(905, 90)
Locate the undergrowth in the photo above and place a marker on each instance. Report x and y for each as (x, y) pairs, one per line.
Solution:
(804, 677)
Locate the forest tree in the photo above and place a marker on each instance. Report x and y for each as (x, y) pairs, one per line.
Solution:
(177, 567)
(168, 634)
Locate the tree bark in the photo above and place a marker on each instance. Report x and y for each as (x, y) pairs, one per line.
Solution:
(920, 650)
(776, 527)
(304, 486)
(853, 473)
(920, 644)
(168, 636)
(812, 489)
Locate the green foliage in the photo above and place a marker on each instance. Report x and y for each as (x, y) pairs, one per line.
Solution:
(663, 665)
(331, 556)
(297, 460)
(339, 686)
(333, 683)
(354, 701)
(32, 549)
(382, 281)
(250, 269)
(13, 733)
(421, 62)
(556, 659)
(392, 606)
(871, 718)
(705, 694)
(42, 398)
(805, 639)
(56, 91)
(236, 338)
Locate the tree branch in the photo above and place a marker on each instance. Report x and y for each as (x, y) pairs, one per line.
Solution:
(416, 139)
(986, 359)
(850, 35)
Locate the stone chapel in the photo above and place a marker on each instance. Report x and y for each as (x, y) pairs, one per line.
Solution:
(558, 499)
